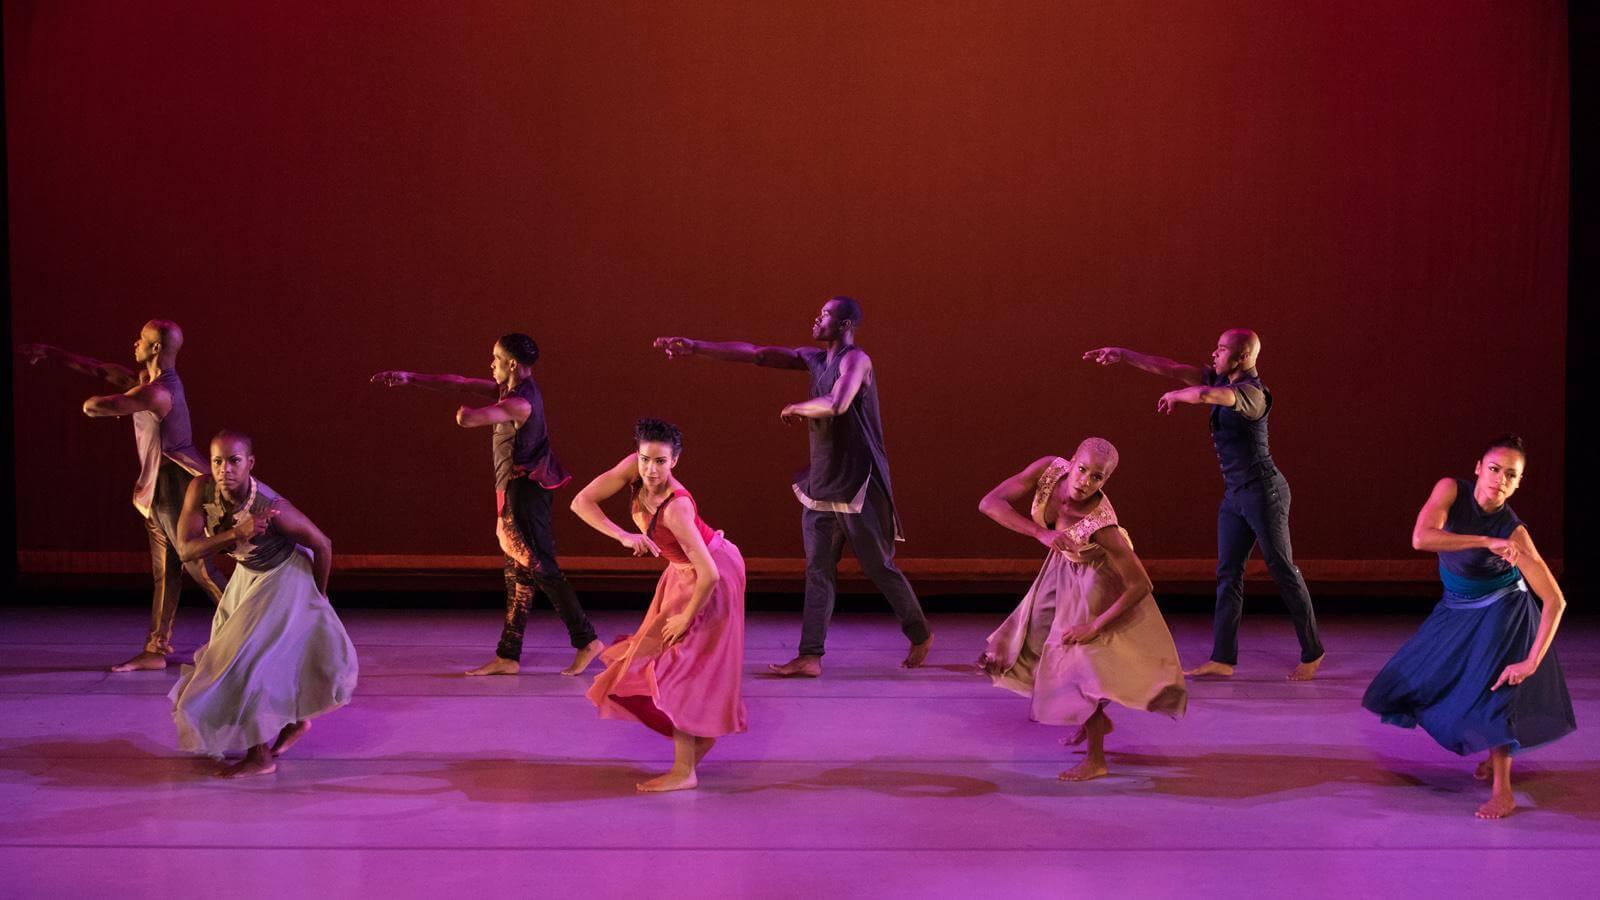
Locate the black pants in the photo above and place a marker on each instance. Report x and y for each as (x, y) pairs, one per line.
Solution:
(531, 564)
(161, 527)
(871, 536)
(1257, 514)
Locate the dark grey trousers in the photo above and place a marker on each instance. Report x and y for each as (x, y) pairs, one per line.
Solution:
(870, 534)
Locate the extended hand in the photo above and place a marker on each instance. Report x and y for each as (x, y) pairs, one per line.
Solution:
(248, 527)
(674, 627)
(1082, 633)
(1105, 356)
(639, 545)
(1515, 674)
(789, 416)
(33, 353)
(674, 346)
(393, 378)
(1170, 400)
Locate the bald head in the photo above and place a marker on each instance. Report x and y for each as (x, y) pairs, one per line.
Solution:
(1243, 342)
(165, 338)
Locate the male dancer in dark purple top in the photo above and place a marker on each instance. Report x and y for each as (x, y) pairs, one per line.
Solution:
(1255, 499)
(845, 492)
(168, 461)
(526, 475)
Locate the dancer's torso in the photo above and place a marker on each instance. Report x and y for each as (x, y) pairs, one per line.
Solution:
(523, 451)
(649, 522)
(263, 552)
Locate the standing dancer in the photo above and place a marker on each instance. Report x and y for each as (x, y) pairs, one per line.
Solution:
(1255, 500)
(845, 491)
(278, 655)
(526, 473)
(168, 461)
(1088, 632)
(1480, 674)
(679, 672)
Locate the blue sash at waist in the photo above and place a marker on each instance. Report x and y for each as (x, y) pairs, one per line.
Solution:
(1473, 593)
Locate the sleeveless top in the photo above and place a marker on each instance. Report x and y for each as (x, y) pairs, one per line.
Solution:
(523, 451)
(665, 540)
(1081, 532)
(846, 449)
(157, 439)
(269, 549)
(1476, 571)
(1240, 442)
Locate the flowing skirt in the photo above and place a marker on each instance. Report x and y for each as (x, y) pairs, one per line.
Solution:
(692, 686)
(1133, 663)
(1440, 680)
(278, 654)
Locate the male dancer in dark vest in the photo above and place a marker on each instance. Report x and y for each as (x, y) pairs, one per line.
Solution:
(1255, 500)
(168, 461)
(846, 493)
(526, 474)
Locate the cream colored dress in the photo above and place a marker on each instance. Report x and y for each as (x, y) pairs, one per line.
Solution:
(1132, 663)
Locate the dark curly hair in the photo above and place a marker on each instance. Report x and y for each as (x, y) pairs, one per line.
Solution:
(658, 431)
(520, 347)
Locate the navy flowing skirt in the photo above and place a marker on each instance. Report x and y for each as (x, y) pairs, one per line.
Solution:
(1440, 680)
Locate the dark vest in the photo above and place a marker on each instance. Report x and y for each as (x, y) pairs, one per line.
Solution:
(845, 449)
(177, 437)
(1241, 443)
(523, 451)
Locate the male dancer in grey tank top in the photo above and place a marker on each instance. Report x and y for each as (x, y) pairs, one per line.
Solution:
(845, 493)
(168, 461)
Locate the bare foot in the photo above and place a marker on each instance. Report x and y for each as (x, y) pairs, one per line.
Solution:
(585, 655)
(1484, 771)
(702, 746)
(1210, 668)
(1087, 770)
(291, 733)
(142, 662)
(253, 764)
(672, 781)
(497, 666)
(1307, 671)
(917, 655)
(799, 667)
(1498, 807)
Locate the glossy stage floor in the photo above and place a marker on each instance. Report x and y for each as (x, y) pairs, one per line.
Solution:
(869, 782)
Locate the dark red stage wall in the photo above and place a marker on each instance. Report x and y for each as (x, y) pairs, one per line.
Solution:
(319, 190)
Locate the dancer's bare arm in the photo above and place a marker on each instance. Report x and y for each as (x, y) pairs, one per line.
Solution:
(118, 376)
(679, 519)
(1004, 502)
(460, 384)
(731, 351)
(298, 527)
(1199, 394)
(193, 543)
(853, 373)
(1156, 365)
(606, 485)
(1429, 534)
(140, 398)
(508, 409)
(1136, 585)
(1554, 603)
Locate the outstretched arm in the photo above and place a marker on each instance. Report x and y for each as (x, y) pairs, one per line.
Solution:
(605, 486)
(509, 409)
(1201, 394)
(853, 373)
(120, 377)
(1155, 365)
(140, 398)
(1003, 504)
(478, 387)
(1135, 585)
(1544, 586)
(1429, 534)
(731, 351)
(679, 519)
(296, 526)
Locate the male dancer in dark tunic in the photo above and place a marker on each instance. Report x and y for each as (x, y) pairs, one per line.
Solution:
(168, 461)
(846, 493)
(1255, 500)
(526, 473)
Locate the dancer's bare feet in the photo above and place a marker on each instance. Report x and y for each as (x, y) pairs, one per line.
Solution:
(1484, 771)
(918, 654)
(1307, 671)
(143, 662)
(257, 762)
(497, 666)
(291, 733)
(1087, 770)
(702, 746)
(1210, 669)
(1499, 806)
(585, 655)
(800, 667)
(674, 780)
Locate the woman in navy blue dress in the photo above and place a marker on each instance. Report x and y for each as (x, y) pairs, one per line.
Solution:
(1479, 674)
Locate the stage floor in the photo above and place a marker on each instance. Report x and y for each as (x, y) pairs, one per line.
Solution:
(869, 782)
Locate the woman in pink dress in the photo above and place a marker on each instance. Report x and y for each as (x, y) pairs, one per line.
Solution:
(1088, 632)
(679, 673)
